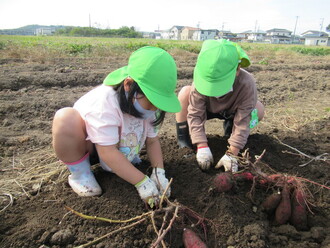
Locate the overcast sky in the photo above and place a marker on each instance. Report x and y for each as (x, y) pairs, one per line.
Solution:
(149, 15)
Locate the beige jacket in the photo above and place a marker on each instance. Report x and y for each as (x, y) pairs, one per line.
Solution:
(240, 102)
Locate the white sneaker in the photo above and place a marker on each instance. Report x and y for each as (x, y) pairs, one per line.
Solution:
(85, 185)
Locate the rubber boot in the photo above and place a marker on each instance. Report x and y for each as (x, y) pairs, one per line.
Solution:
(82, 179)
(182, 132)
(228, 127)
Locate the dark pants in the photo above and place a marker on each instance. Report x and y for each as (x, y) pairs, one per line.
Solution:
(228, 123)
(222, 116)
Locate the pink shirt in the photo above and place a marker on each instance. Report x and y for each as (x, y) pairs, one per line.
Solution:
(107, 125)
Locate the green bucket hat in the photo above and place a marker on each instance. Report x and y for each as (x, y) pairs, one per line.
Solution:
(154, 70)
(216, 66)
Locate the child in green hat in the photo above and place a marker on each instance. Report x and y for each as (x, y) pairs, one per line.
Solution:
(223, 90)
(115, 120)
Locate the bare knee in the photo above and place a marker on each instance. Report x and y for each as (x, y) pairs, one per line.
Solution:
(67, 121)
(183, 97)
(69, 135)
(261, 110)
(66, 118)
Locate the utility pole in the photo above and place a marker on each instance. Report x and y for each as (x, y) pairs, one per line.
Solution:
(222, 31)
(255, 31)
(321, 26)
(223, 25)
(294, 31)
(90, 21)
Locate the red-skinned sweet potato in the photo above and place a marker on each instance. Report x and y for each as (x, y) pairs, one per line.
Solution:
(192, 240)
(299, 210)
(270, 204)
(283, 210)
(223, 182)
(244, 175)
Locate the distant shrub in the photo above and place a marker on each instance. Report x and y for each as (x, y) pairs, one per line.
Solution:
(2, 45)
(79, 48)
(316, 51)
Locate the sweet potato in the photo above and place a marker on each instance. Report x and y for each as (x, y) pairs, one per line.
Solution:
(283, 210)
(244, 175)
(299, 211)
(191, 239)
(223, 182)
(271, 202)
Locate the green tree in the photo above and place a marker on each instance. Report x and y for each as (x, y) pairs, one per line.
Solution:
(328, 28)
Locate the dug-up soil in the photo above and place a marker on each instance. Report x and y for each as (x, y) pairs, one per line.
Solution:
(33, 183)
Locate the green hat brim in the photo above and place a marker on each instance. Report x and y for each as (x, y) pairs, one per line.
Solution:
(169, 104)
(209, 87)
(245, 61)
(116, 77)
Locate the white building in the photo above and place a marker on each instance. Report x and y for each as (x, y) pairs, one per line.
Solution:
(175, 32)
(205, 34)
(253, 36)
(45, 31)
(316, 38)
(278, 36)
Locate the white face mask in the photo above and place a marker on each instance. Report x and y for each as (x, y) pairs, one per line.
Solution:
(144, 112)
(225, 93)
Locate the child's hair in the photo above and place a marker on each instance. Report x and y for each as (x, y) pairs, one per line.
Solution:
(126, 103)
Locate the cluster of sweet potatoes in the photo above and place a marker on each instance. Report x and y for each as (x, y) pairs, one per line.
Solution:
(289, 203)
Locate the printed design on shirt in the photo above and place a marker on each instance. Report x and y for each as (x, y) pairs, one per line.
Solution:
(254, 118)
(130, 140)
(129, 145)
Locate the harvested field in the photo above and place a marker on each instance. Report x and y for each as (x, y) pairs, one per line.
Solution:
(34, 191)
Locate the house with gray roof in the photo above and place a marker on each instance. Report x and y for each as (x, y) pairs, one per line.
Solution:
(278, 36)
(316, 38)
(253, 36)
(175, 32)
(205, 34)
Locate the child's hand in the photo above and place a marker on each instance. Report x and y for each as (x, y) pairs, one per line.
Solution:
(158, 176)
(204, 158)
(148, 191)
(228, 162)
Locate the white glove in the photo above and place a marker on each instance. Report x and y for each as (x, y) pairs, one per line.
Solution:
(228, 162)
(148, 191)
(204, 158)
(158, 176)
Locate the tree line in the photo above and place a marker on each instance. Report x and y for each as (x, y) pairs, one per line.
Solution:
(124, 32)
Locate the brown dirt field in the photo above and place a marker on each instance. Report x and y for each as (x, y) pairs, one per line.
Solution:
(295, 90)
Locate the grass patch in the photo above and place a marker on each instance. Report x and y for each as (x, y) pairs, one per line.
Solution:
(103, 47)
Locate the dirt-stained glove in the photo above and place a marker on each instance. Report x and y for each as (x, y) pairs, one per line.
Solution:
(228, 162)
(158, 176)
(204, 157)
(148, 191)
